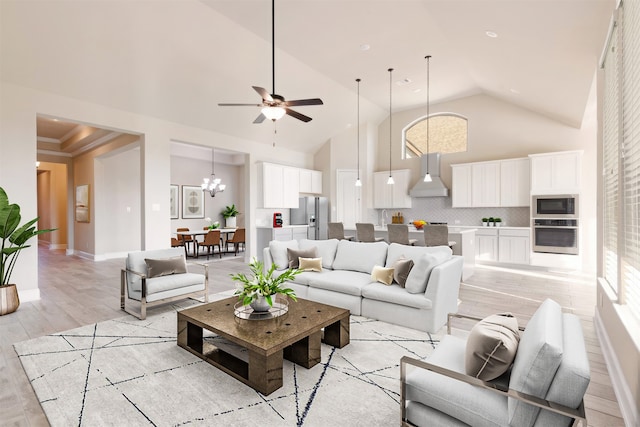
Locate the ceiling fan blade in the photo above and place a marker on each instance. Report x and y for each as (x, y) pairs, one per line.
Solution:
(263, 93)
(260, 119)
(297, 102)
(298, 115)
(239, 105)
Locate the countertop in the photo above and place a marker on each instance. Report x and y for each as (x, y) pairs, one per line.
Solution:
(284, 226)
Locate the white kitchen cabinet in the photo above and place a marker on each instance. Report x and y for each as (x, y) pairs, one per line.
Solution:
(461, 186)
(394, 196)
(487, 244)
(556, 173)
(310, 181)
(515, 183)
(514, 246)
(485, 184)
(280, 186)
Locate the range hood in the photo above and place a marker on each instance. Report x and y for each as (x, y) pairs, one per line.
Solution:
(436, 187)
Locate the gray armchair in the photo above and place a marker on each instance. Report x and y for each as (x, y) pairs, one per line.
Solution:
(546, 385)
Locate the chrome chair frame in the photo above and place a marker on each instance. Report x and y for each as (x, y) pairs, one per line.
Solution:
(578, 415)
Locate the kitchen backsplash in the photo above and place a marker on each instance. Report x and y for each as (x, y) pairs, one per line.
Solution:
(438, 209)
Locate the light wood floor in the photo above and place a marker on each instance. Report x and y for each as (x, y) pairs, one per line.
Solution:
(76, 292)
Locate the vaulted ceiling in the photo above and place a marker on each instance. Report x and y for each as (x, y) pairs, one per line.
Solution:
(177, 60)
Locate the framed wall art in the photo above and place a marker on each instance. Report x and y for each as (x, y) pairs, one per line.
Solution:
(174, 201)
(82, 203)
(192, 202)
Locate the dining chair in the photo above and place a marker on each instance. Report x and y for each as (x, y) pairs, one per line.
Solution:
(211, 240)
(365, 232)
(335, 230)
(436, 235)
(176, 242)
(399, 233)
(186, 239)
(237, 239)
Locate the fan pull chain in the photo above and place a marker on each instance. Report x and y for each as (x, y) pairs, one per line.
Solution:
(275, 133)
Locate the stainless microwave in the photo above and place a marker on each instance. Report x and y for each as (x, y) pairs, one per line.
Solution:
(555, 206)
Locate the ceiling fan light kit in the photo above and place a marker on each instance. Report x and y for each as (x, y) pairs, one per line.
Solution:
(275, 106)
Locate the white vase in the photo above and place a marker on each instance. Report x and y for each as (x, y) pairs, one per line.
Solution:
(260, 304)
(230, 222)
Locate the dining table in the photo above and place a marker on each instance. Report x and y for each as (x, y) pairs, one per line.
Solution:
(194, 235)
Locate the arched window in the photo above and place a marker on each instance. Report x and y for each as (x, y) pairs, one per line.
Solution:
(447, 134)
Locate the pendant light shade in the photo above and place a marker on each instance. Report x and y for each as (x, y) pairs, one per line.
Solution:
(390, 180)
(358, 182)
(427, 175)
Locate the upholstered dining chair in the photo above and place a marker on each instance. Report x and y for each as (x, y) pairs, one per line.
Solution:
(237, 239)
(365, 232)
(176, 242)
(186, 240)
(399, 233)
(335, 230)
(436, 235)
(211, 240)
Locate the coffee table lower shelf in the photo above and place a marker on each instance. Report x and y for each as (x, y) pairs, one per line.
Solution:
(263, 369)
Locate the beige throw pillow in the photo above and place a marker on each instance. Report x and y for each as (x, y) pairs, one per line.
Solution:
(310, 264)
(491, 346)
(382, 274)
(165, 267)
(294, 254)
(402, 266)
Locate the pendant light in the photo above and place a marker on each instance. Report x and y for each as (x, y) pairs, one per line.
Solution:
(427, 175)
(358, 182)
(213, 185)
(390, 180)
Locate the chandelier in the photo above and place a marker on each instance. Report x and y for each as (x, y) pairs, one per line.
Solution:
(213, 185)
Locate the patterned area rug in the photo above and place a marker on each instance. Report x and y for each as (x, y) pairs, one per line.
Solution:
(131, 372)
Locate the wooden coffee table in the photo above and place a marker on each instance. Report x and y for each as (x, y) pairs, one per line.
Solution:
(295, 336)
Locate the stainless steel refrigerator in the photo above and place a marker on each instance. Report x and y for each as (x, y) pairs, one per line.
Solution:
(314, 212)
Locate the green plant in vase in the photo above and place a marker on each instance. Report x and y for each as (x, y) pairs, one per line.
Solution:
(259, 289)
(230, 213)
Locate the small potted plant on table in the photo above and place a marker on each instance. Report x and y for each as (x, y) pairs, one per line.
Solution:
(229, 213)
(259, 289)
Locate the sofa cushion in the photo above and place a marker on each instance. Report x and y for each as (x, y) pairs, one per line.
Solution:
(419, 275)
(326, 249)
(538, 357)
(166, 266)
(491, 346)
(294, 254)
(382, 274)
(310, 264)
(360, 256)
(401, 268)
(343, 281)
(278, 252)
(396, 295)
(414, 253)
(136, 262)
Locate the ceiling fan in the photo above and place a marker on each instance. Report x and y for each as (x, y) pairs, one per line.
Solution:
(275, 106)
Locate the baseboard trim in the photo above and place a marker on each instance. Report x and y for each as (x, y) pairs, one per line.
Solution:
(29, 295)
(620, 387)
(84, 255)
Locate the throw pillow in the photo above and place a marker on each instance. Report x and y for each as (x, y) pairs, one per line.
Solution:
(310, 264)
(382, 274)
(419, 275)
(294, 254)
(401, 268)
(166, 266)
(491, 346)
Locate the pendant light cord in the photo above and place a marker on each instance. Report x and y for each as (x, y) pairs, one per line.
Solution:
(358, 124)
(428, 58)
(390, 119)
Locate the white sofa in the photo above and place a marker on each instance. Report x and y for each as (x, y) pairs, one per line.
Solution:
(346, 281)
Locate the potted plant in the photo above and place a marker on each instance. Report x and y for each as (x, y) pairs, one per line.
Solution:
(259, 288)
(14, 239)
(229, 213)
(485, 221)
(497, 221)
(491, 221)
(212, 224)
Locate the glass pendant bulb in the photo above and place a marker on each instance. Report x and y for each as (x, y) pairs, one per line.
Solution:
(390, 181)
(427, 177)
(358, 183)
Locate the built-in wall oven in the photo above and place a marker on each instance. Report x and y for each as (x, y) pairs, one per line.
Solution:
(556, 236)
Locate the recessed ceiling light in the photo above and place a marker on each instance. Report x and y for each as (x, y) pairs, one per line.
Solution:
(404, 81)
(516, 91)
(491, 34)
(417, 90)
(364, 47)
